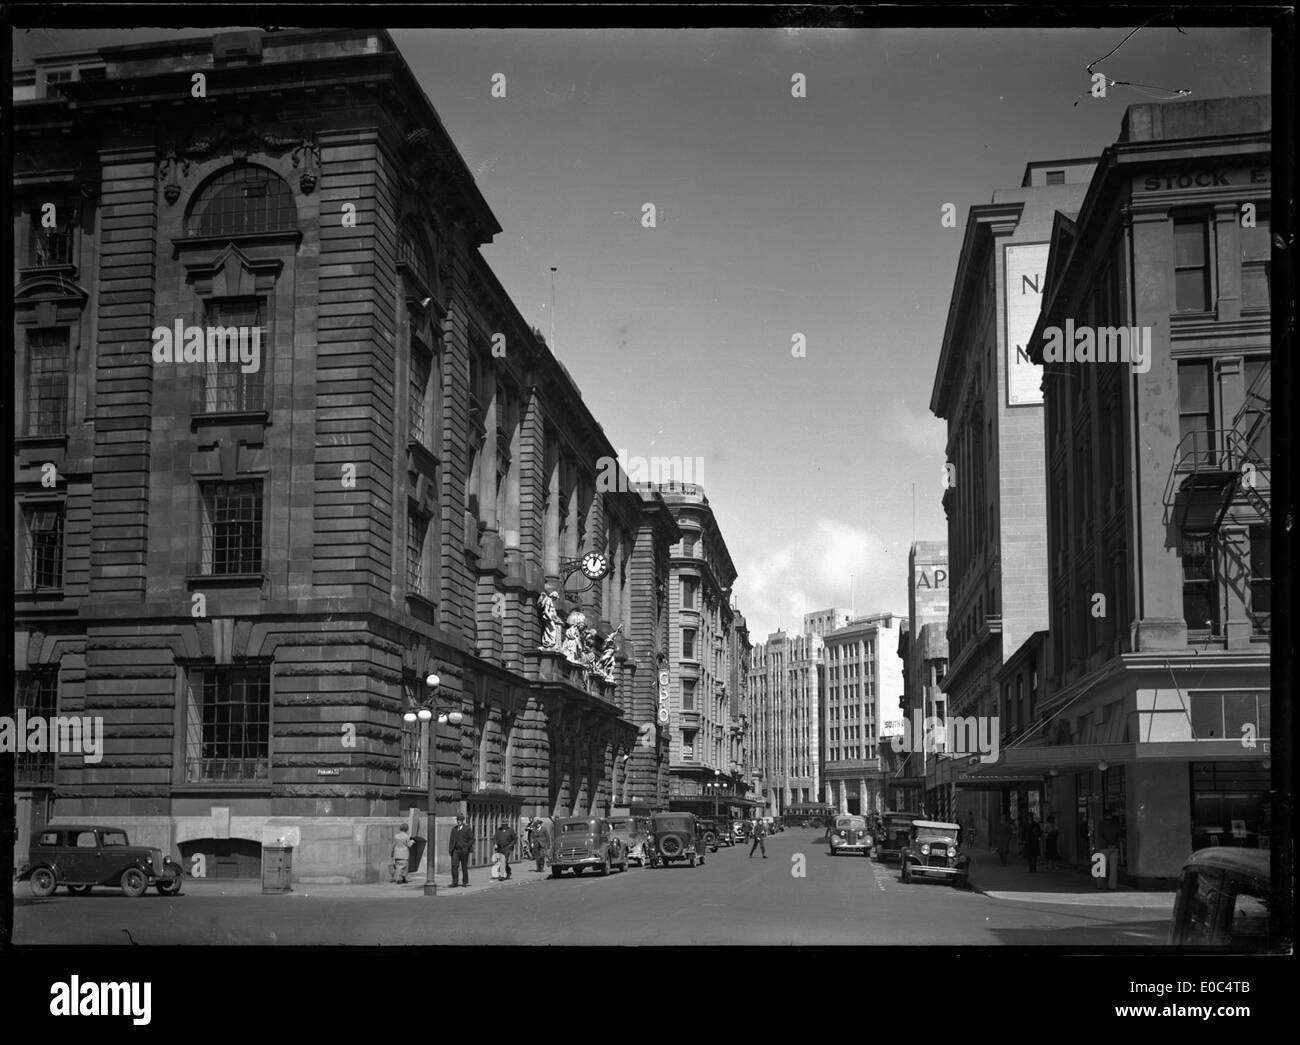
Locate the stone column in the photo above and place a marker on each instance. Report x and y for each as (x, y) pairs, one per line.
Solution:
(487, 472)
(551, 548)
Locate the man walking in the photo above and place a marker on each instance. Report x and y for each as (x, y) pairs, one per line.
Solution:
(759, 833)
(462, 842)
(504, 840)
(401, 855)
(537, 839)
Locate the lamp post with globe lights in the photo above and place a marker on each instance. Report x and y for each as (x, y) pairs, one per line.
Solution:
(429, 712)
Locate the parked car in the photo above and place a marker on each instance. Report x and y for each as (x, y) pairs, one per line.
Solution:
(709, 829)
(1223, 900)
(84, 856)
(634, 833)
(579, 842)
(771, 823)
(676, 837)
(740, 831)
(934, 851)
(850, 834)
(895, 833)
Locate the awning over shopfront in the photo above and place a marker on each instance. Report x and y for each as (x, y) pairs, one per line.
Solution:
(1034, 763)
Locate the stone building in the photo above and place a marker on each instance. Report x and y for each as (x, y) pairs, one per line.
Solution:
(923, 649)
(1152, 680)
(245, 562)
(785, 686)
(989, 391)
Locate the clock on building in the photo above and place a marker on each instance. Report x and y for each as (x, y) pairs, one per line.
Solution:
(594, 565)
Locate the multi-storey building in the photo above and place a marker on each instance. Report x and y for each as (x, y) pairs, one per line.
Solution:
(1154, 701)
(703, 701)
(988, 390)
(741, 703)
(923, 648)
(784, 682)
(862, 692)
(244, 562)
(823, 622)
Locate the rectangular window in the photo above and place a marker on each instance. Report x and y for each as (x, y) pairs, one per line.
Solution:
(1261, 576)
(690, 586)
(688, 694)
(1256, 264)
(235, 329)
(1191, 270)
(232, 528)
(228, 723)
(52, 246)
(1200, 587)
(417, 533)
(1254, 424)
(37, 693)
(1056, 177)
(1195, 405)
(47, 382)
(43, 546)
(415, 741)
(688, 745)
(421, 407)
(688, 643)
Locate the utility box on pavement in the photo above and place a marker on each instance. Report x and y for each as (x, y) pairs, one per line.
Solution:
(277, 862)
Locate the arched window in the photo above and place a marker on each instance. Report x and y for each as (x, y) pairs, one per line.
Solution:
(241, 200)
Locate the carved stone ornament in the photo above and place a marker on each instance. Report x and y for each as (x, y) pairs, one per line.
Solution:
(238, 141)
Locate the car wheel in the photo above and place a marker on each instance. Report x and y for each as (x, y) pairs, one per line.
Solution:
(605, 868)
(169, 886)
(577, 872)
(133, 882)
(556, 872)
(907, 873)
(80, 890)
(43, 882)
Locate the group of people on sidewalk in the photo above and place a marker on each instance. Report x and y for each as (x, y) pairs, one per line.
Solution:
(1029, 838)
(459, 847)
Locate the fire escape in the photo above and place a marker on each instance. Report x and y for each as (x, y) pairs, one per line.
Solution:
(1218, 469)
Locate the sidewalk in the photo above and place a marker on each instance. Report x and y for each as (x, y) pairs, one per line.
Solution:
(1063, 886)
(480, 881)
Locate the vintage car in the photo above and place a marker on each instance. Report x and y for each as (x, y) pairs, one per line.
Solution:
(709, 829)
(850, 834)
(740, 831)
(1223, 900)
(84, 856)
(579, 842)
(634, 833)
(895, 833)
(934, 851)
(676, 837)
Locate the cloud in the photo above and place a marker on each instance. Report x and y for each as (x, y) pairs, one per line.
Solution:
(786, 580)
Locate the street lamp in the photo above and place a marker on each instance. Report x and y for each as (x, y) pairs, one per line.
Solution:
(426, 712)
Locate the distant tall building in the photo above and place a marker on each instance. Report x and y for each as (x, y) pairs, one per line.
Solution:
(923, 647)
(784, 680)
(861, 706)
(821, 622)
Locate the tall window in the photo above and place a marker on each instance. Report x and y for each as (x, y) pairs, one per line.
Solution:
(417, 534)
(421, 387)
(1200, 588)
(47, 382)
(415, 740)
(228, 723)
(690, 587)
(688, 643)
(688, 694)
(236, 325)
(1256, 257)
(1261, 576)
(1191, 270)
(1195, 402)
(36, 692)
(42, 546)
(1254, 424)
(688, 745)
(232, 528)
(242, 200)
(52, 246)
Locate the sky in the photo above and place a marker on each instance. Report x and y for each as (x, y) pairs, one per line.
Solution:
(775, 216)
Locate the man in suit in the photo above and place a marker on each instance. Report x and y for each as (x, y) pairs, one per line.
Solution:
(760, 833)
(504, 841)
(461, 845)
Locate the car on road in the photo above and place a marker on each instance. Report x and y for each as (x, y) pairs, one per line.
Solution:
(850, 834)
(709, 829)
(895, 833)
(82, 856)
(579, 842)
(740, 831)
(634, 833)
(934, 851)
(1224, 899)
(676, 836)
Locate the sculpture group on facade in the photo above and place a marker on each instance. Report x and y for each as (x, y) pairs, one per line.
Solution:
(574, 638)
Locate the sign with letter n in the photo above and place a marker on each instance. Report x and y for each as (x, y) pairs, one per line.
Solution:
(1026, 269)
